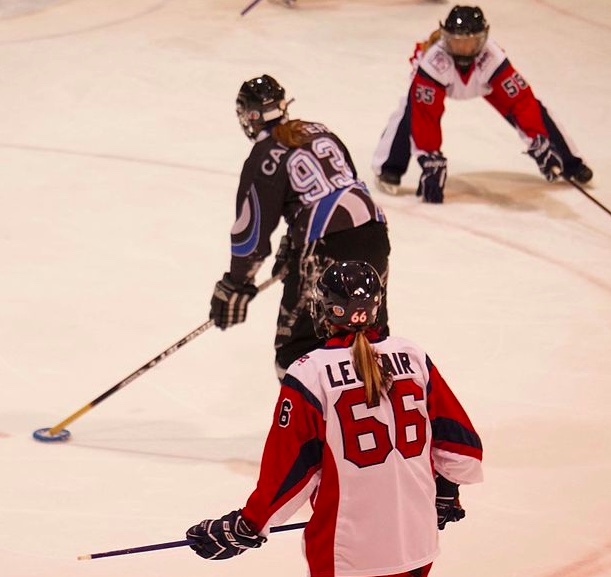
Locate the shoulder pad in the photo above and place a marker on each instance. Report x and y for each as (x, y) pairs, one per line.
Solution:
(437, 63)
(490, 58)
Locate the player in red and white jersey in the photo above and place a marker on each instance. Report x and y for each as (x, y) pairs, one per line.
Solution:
(461, 62)
(368, 430)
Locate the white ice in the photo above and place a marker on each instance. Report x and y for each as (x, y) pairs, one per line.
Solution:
(119, 159)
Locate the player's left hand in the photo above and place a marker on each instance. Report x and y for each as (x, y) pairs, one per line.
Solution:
(447, 503)
(449, 510)
(223, 538)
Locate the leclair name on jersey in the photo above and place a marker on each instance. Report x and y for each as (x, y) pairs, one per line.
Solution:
(343, 373)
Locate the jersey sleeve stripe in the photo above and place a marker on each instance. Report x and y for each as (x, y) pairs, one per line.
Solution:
(449, 430)
(500, 68)
(423, 74)
(247, 246)
(293, 383)
(459, 449)
(309, 456)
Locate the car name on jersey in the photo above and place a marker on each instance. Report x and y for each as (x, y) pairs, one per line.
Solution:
(344, 373)
(270, 164)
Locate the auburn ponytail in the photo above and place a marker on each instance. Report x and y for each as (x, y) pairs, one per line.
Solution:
(292, 134)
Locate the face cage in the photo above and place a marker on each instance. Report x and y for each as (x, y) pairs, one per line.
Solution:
(253, 121)
(464, 45)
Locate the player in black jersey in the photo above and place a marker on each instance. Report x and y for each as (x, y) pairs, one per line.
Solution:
(301, 172)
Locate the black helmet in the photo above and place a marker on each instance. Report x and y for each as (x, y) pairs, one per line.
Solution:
(465, 20)
(259, 101)
(464, 34)
(347, 294)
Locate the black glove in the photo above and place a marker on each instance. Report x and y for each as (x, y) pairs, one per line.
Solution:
(433, 178)
(229, 302)
(549, 161)
(283, 254)
(447, 503)
(223, 538)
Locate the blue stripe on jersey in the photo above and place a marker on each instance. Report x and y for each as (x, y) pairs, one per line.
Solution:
(429, 366)
(293, 383)
(310, 455)
(445, 429)
(502, 66)
(248, 246)
(321, 214)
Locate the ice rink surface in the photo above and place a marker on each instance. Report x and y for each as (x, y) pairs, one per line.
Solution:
(119, 160)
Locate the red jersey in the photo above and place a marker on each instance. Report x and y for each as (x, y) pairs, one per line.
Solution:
(491, 76)
(369, 472)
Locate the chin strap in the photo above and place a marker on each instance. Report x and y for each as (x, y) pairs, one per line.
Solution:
(463, 63)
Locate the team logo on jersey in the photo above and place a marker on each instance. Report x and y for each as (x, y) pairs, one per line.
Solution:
(440, 62)
(284, 416)
(247, 228)
(338, 311)
(483, 59)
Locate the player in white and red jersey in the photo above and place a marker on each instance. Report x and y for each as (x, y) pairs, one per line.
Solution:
(459, 61)
(368, 430)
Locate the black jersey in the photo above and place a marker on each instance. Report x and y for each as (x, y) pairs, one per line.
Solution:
(313, 187)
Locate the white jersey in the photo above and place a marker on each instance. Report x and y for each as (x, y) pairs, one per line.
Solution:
(368, 471)
(439, 66)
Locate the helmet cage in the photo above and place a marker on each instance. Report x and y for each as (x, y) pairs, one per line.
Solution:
(464, 34)
(464, 45)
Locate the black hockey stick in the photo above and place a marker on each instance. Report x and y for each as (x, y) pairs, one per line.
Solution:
(172, 544)
(582, 190)
(58, 433)
(249, 7)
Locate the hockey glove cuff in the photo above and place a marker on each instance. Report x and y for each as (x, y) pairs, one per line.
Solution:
(223, 538)
(230, 302)
(447, 503)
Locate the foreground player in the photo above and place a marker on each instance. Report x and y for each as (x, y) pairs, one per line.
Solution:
(459, 61)
(303, 173)
(367, 428)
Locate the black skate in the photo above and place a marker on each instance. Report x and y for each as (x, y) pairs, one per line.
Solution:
(582, 175)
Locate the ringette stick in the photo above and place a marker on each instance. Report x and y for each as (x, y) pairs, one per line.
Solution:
(58, 433)
(583, 191)
(580, 188)
(172, 544)
(249, 7)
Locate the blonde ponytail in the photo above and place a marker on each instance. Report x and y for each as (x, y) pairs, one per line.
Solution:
(368, 369)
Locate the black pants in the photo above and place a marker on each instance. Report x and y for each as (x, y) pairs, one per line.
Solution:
(295, 334)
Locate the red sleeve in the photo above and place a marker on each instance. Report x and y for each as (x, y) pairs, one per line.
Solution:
(292, 455)
(426, 101)
(452, 428)
(514, 99)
